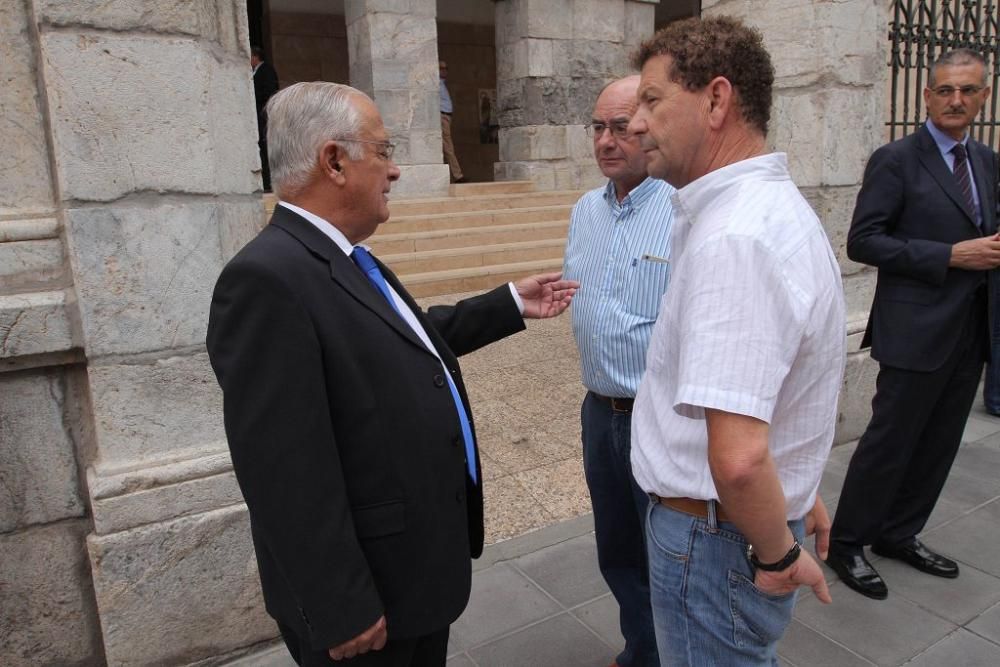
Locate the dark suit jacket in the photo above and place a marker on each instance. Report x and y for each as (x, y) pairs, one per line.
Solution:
(265, 84)
(344, 436)
(908, 215)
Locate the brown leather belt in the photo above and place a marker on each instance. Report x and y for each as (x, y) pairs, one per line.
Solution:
(694, 507)
(617, 404)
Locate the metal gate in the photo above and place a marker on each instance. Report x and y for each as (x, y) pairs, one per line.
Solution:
(919, 32)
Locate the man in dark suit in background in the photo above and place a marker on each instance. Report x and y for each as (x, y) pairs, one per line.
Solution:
(926, 217)
(265, 84)
(346, 414)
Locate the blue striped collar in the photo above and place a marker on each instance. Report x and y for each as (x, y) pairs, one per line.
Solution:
(636, 198)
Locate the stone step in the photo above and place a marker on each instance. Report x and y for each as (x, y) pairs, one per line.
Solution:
(490, 188)
(463, 203)
(508, 216)
(433, 205)
(390, 244)
(463, 258)
(476, 279)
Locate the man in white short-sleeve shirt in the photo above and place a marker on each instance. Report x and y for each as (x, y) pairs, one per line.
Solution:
(735, 415)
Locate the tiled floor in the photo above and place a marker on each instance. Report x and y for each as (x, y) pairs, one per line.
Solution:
(539, 601)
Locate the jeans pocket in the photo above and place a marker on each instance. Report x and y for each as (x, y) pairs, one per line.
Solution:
(759, 618)
(668, 540)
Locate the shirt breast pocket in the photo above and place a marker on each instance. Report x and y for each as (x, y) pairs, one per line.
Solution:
(648, 278)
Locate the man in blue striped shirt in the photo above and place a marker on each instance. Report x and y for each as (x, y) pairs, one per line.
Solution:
(619, 250)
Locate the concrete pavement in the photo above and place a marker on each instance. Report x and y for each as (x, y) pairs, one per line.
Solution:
(538, 600)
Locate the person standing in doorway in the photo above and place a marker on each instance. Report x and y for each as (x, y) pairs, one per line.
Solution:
(265, 85)
(447, 145)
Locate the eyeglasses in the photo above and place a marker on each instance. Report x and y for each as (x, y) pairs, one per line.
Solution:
(947, 91)
(619, 129)
(385, 150)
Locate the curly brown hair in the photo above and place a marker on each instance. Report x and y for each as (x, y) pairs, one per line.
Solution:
(703, 49)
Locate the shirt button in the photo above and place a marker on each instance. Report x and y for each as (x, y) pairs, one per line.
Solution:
(438, 380)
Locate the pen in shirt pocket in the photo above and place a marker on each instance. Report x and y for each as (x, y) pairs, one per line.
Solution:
(646, 257)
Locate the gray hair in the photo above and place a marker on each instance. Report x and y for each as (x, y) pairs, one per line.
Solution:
(300, 119)
(954, 58)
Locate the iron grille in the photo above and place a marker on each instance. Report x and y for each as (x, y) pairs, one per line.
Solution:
(919, 32)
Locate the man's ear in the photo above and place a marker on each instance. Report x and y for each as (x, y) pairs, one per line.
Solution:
(331, 161)
(720, 97)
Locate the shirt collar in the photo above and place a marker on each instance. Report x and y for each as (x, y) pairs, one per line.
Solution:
(322, 225)
(943, 141)
(636, 198)
(700, 194)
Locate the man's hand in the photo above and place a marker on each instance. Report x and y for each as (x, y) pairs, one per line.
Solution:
(372, 639)
(545, 295)
(818, 521)
(805, 571)
(976, 254)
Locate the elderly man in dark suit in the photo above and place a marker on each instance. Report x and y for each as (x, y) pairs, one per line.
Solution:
(926, 217)
(346, 414)
(265, 84)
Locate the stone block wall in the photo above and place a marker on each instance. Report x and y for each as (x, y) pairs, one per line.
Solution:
(830, 80)
(393, 58)
(553, 58)
(129, 176)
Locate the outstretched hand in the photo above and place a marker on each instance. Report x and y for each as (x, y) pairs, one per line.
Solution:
(545, 295)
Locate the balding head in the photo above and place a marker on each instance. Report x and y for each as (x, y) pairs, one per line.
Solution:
(618, 154)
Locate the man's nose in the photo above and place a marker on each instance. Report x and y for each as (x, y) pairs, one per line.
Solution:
(637, 125)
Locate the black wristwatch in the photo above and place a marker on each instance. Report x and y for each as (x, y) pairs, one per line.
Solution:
(784, 563)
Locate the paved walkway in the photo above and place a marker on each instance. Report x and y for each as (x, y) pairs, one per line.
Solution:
(539, 601)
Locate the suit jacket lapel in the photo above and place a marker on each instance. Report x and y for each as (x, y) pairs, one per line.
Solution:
(344, 272)
(932, 160)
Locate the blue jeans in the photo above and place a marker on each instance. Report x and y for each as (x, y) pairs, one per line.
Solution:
(619, 510)
(706, 609)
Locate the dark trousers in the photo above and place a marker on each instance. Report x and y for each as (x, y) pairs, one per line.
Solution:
(427, 651)
(619, 512)
(265, 166)
(903, 459)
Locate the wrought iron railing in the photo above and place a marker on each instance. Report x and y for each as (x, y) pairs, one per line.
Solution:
(919, 32)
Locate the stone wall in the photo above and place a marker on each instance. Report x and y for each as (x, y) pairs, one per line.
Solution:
(129, 176)
(553, 58)
(393, 54)
(827, 115)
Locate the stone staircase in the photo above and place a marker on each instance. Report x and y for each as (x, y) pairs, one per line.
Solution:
(481, 235)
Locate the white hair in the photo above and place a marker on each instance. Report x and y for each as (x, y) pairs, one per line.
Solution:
(300, 119)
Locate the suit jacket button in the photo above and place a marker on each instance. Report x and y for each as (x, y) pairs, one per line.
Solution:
(438, 380)
(457, 441)
(459, 496)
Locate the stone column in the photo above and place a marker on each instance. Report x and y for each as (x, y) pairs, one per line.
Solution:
(553, 58)
(130, 175)
(828, 115)
(394, 59)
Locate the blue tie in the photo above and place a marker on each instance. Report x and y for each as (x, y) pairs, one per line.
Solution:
(365, 262)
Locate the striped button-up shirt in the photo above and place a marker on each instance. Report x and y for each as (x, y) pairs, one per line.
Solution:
(753, 324)
(620, 253)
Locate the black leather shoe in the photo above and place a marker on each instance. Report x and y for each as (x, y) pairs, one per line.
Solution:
(917, 554)
(855, 571)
